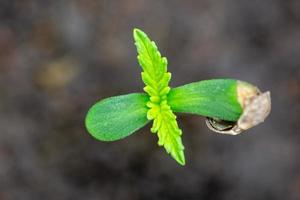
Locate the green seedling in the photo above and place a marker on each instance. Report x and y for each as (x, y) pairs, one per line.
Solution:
(230, 106)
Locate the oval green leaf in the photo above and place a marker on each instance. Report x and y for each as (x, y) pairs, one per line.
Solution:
(215, 98)
(117, 117)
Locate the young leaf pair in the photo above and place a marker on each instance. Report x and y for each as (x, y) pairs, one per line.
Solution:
(117, 117)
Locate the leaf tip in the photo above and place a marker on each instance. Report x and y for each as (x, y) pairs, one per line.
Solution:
(87, 121)
(138, 34)
(180, 158)
(135, 33)
(135, 30)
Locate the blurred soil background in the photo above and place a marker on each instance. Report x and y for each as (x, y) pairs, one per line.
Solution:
(57, 58)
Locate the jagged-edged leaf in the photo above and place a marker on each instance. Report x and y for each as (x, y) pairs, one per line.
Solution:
(156, 79)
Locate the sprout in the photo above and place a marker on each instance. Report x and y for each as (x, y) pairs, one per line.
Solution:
(231, 106)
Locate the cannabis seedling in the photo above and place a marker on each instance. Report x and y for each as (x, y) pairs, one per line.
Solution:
(230, 106)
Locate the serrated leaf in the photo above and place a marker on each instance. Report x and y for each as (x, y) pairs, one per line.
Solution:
(151, 61)
(156, 79)
(117, 117)
(215, 98)
(169, 134)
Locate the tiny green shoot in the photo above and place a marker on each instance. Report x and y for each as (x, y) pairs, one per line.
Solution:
(222, 101)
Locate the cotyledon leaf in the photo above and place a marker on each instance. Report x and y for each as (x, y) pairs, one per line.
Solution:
(215, 98)
(117, 117)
